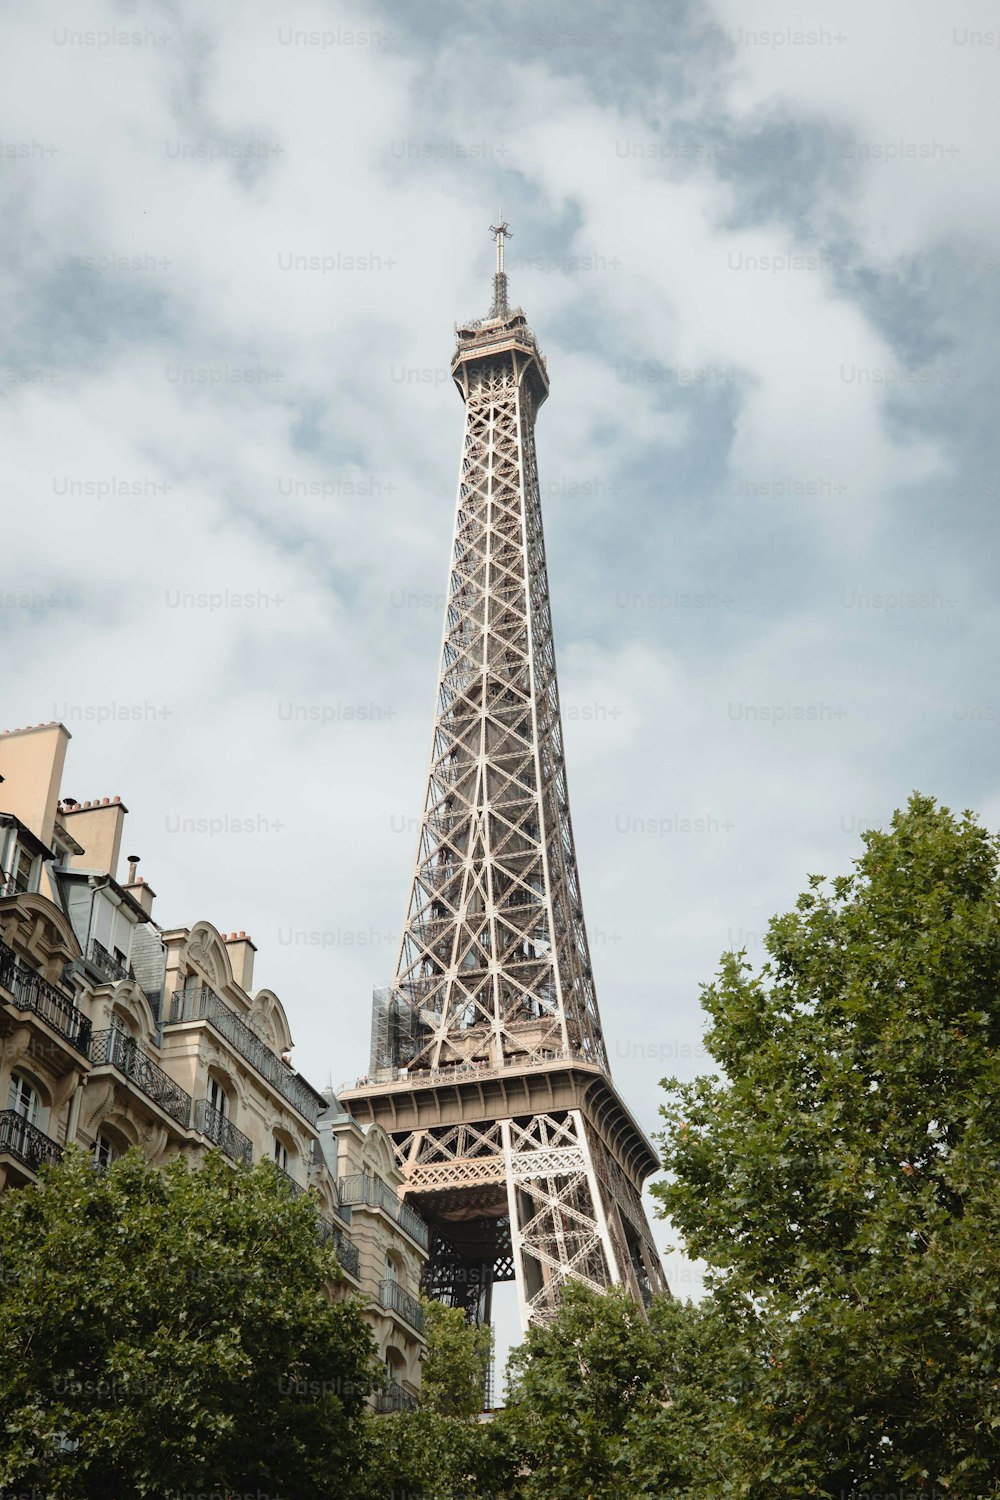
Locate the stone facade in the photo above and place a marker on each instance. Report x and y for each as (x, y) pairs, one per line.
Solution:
(116, 1032)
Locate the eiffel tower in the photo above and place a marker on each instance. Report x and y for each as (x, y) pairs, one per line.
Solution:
(488, 1062)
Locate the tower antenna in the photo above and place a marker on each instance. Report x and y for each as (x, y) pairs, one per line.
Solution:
(501, 231)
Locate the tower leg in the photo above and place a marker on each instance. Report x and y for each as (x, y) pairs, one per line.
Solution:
(559, 1230)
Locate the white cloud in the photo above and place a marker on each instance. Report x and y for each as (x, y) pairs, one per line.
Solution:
(910, 87)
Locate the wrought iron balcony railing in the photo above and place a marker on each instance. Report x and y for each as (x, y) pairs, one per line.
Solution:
(362, 1188)
(110, 966)
(329, 1234)
(288, 1181)
(203, 1004)
(392, 1296)
(394, 1398)
(8, 966)
(222, 1132)
(347, 1251)
(116, 1049)
(32, 992)
(24, 1141)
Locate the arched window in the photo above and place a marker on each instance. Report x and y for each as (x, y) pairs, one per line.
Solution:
(23, 1098)
(391, 1267)
(281, 1154)
(217, 1097)
(105, 1150)
(122, 1021)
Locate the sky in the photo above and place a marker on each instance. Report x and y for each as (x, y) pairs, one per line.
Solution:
(758, 243)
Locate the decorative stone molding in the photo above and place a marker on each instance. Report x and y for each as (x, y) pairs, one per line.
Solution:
(98, 1100)
(206, 949)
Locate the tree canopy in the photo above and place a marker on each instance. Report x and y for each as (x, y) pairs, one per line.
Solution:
(444, 1451)
(840, 1174)
(168, 1330)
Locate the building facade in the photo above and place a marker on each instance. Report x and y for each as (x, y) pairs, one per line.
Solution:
(117, 1032)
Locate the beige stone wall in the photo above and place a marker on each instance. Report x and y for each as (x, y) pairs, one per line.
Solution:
(387, 1251)
(31, 763)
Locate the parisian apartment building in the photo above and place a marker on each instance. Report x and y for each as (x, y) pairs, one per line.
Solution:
(119, 1030)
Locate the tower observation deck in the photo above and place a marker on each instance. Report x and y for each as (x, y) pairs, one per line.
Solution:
(488, 1062)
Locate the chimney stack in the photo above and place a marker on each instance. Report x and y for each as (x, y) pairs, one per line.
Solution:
(241, 951)
(31, 764)
(97, 825)
(141, 892)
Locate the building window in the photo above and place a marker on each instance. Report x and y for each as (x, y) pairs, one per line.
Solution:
(281, 1154)
(123, 1022)
(391, 1268)
(105, 1151)
(217, 1097)
(23, 1099)
(21, 872)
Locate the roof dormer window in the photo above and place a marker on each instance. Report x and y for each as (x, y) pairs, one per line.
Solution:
(22, 869)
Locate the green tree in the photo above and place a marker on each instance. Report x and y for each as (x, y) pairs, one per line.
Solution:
(443, 1451)
(455, 1367)
(607, 1402)
(169, 1330)
(842, 1177)
(577, 1389)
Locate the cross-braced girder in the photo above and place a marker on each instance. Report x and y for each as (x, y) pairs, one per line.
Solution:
(544, 1196)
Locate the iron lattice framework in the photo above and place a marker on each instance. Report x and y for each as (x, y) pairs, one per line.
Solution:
(494, 992)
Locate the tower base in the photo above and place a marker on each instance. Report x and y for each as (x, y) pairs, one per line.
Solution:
(528, 1174)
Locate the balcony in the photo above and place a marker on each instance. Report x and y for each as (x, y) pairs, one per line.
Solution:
(461, 1072)
(111, 967)
(25, 1142)
(361, 1188)
(222, 1133)
(288, 1182)
(33, 993)
(116, 1049)
(392, 1297)
(394, 1398)
(204, 1004)
(347, 1251)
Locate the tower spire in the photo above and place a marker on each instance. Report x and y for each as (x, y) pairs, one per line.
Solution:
(501, 231)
